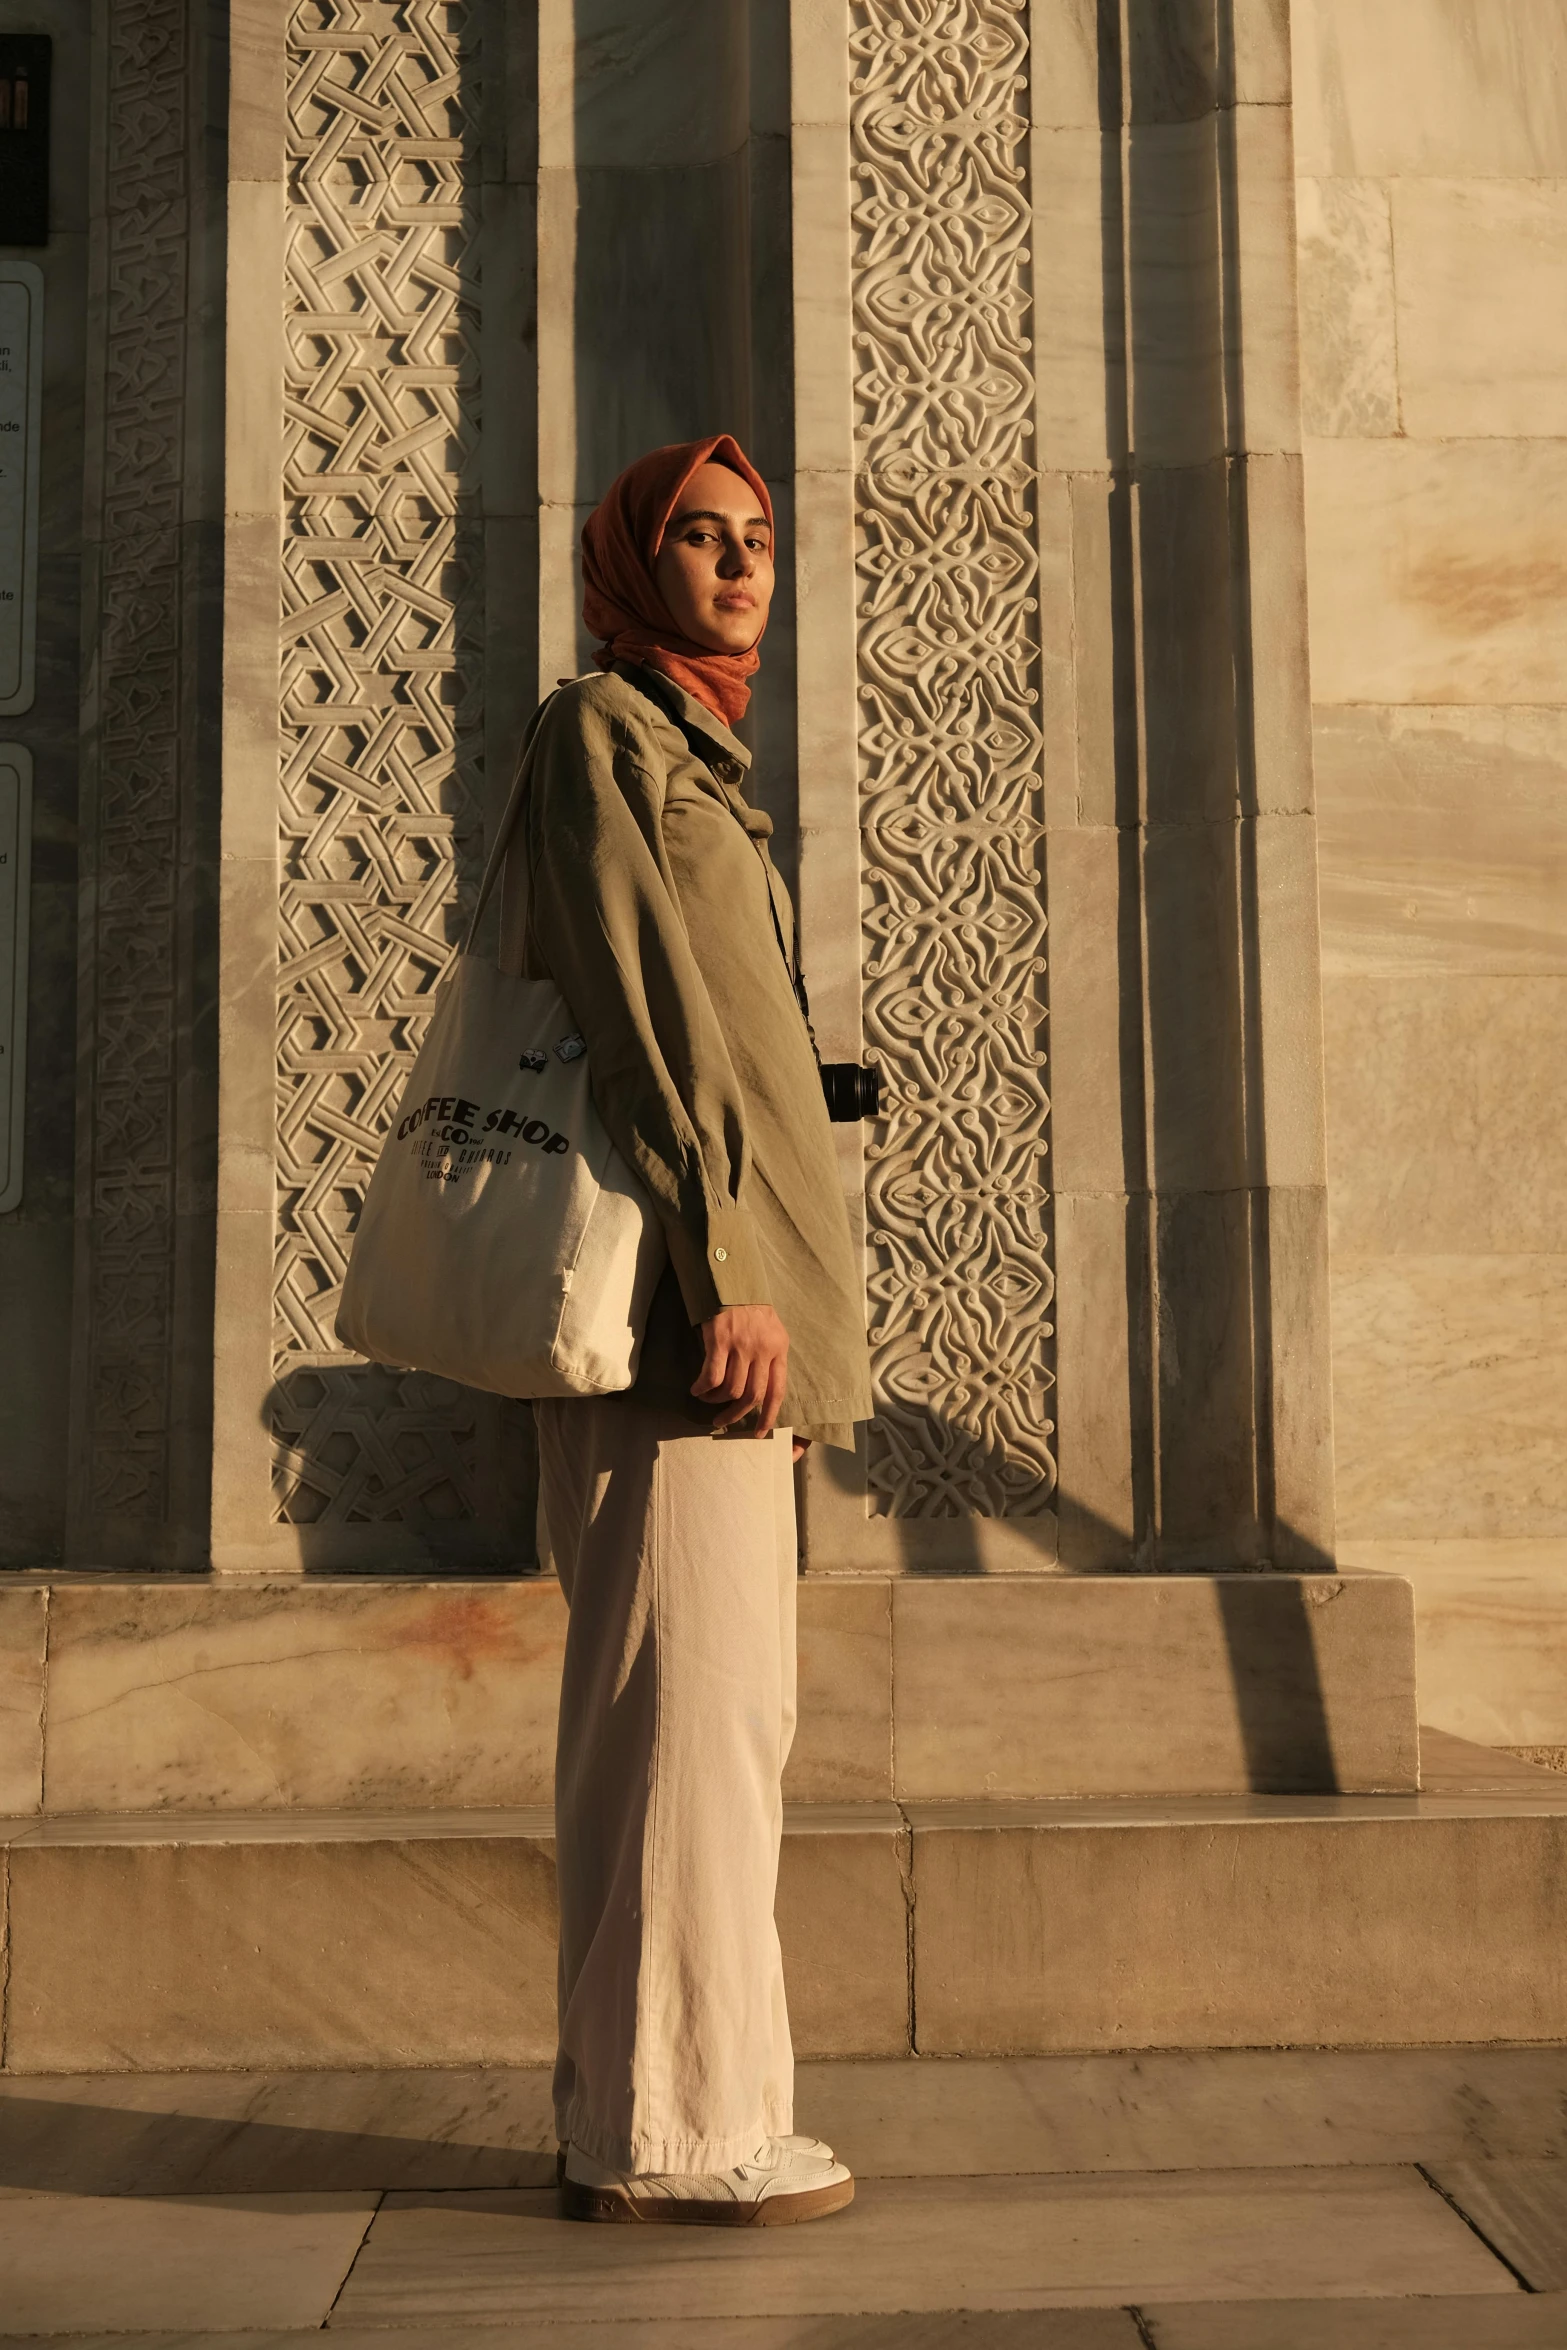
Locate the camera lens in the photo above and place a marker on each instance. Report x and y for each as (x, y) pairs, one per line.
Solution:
(853, 1090)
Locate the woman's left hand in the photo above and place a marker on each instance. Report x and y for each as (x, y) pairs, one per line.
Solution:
(745, 1358)
(802, 1445)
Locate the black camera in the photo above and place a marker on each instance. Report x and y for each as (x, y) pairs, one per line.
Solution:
(853, 1090)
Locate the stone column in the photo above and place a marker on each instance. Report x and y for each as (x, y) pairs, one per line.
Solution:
(1047, 451)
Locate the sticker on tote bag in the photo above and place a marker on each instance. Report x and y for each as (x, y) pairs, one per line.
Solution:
(571, 1048)
(534, 1061)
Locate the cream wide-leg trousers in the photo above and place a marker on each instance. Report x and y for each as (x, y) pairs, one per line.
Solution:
(676, 1552)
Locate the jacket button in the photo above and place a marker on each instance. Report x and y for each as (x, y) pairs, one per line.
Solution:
(722, 1255)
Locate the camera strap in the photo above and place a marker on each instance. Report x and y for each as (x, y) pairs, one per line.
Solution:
(646, 682)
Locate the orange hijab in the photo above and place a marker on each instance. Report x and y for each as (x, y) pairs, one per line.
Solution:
(620, 599)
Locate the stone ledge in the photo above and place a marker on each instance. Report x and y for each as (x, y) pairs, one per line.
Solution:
(193, 1694)
(1100, 1685)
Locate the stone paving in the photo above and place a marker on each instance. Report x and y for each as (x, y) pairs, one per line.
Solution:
(1268, 2201)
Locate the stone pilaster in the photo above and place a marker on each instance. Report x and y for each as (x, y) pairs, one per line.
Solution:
(141, 1371)
(1057, 470)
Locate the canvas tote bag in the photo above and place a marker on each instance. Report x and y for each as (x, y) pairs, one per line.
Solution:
(504, 1242)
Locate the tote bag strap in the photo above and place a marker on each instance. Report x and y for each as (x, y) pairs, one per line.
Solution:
(503, 838)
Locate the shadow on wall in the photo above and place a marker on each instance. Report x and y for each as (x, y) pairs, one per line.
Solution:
(663, 149)
(1266, 1617)
(683, 258)
(450, 1474)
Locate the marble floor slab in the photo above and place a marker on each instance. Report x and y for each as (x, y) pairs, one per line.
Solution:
(70, 2262)
(1516, 2321)
(931, 2244)
(1520, 2208)
(1221, 2109)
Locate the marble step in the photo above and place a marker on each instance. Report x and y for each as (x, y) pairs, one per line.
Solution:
(136, 1694)
(296, 1940)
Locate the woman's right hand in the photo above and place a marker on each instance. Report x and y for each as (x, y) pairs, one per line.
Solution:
(745, 1366)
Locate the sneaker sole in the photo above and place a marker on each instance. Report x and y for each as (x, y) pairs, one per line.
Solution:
(614, 2205)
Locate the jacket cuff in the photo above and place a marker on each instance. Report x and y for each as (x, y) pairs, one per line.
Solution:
(721, 1267)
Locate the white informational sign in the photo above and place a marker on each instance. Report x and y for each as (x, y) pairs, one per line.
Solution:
(21, 394)
(16, 849)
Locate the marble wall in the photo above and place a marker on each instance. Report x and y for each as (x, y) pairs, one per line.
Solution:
(1001, 293)
(1130, 1369)
(1431, 149)
(37, 1239)
(1038, 724)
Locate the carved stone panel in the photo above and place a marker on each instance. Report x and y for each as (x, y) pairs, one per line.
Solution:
(381, 821)
(132, 853)
(950, 759)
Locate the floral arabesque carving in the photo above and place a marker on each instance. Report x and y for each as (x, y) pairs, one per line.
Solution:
(949, 742)
(380, 815)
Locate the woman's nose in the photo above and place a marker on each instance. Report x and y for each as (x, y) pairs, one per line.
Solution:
(738, 560)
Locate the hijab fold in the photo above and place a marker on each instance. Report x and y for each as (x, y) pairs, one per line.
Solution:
(621, 602)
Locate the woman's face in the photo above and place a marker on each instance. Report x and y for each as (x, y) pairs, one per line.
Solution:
(714, 567)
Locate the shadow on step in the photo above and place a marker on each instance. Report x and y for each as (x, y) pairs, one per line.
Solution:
(1279, 1698)
(104, 2150)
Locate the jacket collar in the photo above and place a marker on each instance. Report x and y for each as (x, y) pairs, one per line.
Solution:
(696, 714)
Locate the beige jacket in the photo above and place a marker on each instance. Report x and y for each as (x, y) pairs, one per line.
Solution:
(649, 880)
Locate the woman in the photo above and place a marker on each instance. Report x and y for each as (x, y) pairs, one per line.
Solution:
(650, 899)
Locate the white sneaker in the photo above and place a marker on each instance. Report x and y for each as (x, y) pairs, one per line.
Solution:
(817, 2147)
(781, 2183)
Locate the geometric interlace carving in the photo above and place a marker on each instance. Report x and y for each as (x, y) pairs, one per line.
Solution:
(381, 687)
(950, 750)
